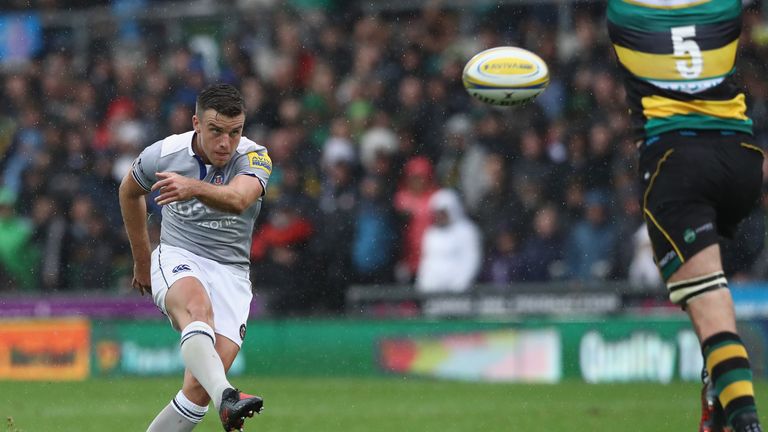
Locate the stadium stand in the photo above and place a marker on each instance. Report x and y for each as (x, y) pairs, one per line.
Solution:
(354, 100)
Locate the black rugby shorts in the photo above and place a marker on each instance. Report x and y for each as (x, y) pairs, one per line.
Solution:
(697, 186)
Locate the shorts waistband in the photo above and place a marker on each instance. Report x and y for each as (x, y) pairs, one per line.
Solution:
(233, 268)
(650, 140)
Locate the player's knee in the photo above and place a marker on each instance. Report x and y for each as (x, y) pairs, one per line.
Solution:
(200, 311)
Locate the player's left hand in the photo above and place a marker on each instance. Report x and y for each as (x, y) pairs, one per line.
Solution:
(173, 187)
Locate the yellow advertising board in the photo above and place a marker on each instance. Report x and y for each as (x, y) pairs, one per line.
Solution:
(45, 349)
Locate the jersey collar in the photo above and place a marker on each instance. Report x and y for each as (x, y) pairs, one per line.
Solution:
(191, 147)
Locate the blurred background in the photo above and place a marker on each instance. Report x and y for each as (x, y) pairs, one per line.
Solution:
(374, 143)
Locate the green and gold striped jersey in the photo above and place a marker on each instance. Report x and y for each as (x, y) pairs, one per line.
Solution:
(678, 57)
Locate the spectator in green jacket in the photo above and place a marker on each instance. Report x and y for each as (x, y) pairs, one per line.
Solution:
(17, 256)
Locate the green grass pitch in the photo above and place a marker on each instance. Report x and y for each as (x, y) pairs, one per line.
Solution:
(368, 405)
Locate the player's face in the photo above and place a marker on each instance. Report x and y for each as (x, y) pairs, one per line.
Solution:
(218, 136)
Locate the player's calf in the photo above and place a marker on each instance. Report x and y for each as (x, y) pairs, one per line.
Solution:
(727, 363)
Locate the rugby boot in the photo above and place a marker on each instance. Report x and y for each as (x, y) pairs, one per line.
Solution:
(712, 414)
(747, 422)
(236, 406)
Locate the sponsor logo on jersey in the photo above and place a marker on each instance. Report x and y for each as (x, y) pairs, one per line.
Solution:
(181, 268)
(262, 162)
(242, 331)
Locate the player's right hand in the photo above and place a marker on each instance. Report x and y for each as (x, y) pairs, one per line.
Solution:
(141, 280)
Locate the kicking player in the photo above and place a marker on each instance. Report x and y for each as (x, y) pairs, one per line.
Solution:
(210, 182)
(700, 170)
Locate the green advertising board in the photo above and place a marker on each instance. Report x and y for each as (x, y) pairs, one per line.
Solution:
(139, 348)
(596, 350)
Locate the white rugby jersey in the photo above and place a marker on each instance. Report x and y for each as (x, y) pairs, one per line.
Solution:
(191, 225)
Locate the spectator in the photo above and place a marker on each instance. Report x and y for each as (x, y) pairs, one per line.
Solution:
(543, 250)
(412, 202)
(573, 202)
(92, 255)
(26, 147)
(598, 168)
(17, 256)
(376, 238)
(451, 248)
(504, 263)
(50, 238)
(332, 244)
(100, 185)
(498, 203)
(289, 182)
(589, 245)
(532, 163)
(91, 246)
(375, 144)
(642, 272)
(741, 252)
(278, 253)
(627, 219)
(461, 163)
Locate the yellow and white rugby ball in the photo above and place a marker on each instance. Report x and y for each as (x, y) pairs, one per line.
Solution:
(505, 76)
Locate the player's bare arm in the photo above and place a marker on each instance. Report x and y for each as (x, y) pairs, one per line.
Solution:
(134, 210)
(234, 197)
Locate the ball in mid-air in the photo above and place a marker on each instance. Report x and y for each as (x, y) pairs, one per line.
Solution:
(505, 76)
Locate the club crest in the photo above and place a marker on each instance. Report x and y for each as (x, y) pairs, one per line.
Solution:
(218, 178)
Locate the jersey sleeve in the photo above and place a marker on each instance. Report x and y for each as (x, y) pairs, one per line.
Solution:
(146, 165)
(257, 164)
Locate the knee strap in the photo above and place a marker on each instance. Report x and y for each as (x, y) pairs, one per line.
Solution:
(682, 291)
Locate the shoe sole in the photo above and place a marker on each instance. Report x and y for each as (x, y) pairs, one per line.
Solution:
(240, 422)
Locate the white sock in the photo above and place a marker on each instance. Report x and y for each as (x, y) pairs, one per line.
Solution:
(202, 360)
(180, 415)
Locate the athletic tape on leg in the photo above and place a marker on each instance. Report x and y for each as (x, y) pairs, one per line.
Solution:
(682, 291)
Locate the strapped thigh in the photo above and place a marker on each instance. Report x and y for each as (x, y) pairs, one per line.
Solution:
(682, 291)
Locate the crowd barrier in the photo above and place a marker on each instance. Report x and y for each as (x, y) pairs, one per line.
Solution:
(600, 333)
(600, 350)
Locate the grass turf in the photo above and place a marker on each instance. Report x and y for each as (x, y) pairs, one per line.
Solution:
(369, 405)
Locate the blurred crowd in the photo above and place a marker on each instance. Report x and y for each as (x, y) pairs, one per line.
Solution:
(385, 170)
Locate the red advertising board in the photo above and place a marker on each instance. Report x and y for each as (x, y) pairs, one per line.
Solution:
(51, 349)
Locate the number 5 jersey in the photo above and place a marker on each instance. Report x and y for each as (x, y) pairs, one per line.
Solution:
(678, 59)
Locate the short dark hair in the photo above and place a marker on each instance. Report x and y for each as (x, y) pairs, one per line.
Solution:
(223, 98)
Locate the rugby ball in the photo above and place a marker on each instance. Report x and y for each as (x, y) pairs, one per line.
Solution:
(505, 76)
